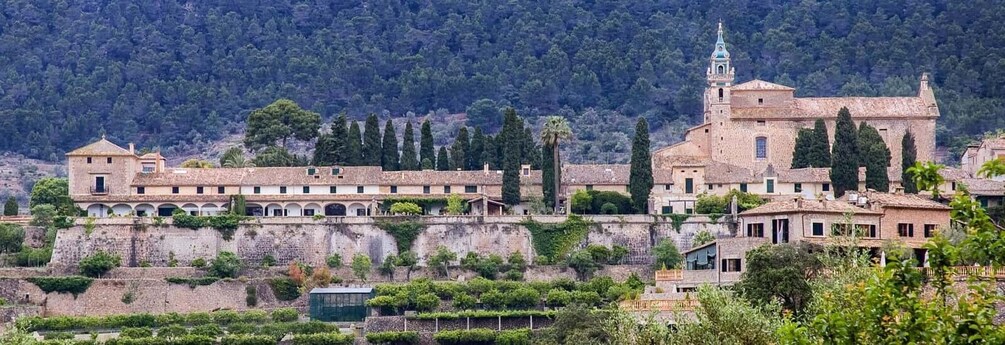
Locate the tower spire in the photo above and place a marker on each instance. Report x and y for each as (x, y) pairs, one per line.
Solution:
(720, 69)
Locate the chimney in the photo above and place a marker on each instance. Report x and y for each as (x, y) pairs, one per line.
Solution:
(486, 168)
(132, 148)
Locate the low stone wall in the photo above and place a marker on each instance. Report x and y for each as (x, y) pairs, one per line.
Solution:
(11, 313)
(311, 241)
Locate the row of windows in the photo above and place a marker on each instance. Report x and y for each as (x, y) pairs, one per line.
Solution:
(446, 189)
(907, 230)
(107, 160)
(307, 189)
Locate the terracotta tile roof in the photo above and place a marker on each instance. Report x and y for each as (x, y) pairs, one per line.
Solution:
(152, 155)
(804, 175)
(191, 177)
(827, 107)
(954, 174)
(758, 84)
(256, 198)
(684, 148)
(994, 143)
(596, 174)
(796, 205)
(718, 172)
(430, 177)
(662, 176)
(101, 147)
(111, 199)
(297, 176)
(902, 200)
(862, 242)
(986, 187)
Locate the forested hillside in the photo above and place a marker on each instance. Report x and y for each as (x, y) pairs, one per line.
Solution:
(179, 73)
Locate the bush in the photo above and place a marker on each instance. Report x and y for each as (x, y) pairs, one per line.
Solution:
(285, 315)
(463, 301)
(72, 284)
(587, 298)
(324, 339)
(523, 298)
(583, 263)
(427, 302)
(255, 316)
(192, 282)
(268, 261)
(139, 332)
(225, 265)
(199, 319)
(199, 263)
(618, 253)
(58, 336)
(514, 337)
(11, 237)
(406, 208)
(285, 289)
(172, 331)
(513, 275)
(99, 263)
(194, 340)
(558, 298)
(247, 339)
(242, 328)
(393, 338)
(225, 317)
(608, 208)
(169, 319)
(251, 296)
(493, 299)
(207, 330)
(468, 337)
(33, 257)
(334, 261)
(361, 265)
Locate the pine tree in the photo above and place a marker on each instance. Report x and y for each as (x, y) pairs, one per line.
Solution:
(909, 154)
(10, 208)
(340, 140)
(426, 149)
(640, 179)
(801, 154)
(442, 160)
(371, 142)
(510, 138)
(389, 149)
(477, 150)
(820, 154)
(844, 162)
(408, 159)
(354, 146)
(459, 150)
(875, 157)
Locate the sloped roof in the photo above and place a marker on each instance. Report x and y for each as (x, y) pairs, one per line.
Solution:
(596, 174)
(954, 174)
(101, 147)
(662, 176)
(804, 175)
(719, 172)
(903, 200)
(192, 177)
(980, 186)
(430, 177)
(994, 143)
(794, 205)
(828, 107)
(760, 85)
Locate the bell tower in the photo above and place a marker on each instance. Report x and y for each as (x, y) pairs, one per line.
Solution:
(720, 78)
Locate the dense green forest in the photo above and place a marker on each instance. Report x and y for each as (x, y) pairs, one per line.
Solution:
(175, 74)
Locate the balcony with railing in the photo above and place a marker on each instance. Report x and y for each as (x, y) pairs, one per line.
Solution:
(99, 190)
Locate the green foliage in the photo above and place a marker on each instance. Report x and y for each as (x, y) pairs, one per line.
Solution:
(486, 314)
(677, 220)
(845, 155)
(52, 191)
(58, 336)
(172, 331)
(98, 263)
(442, 259)
(812, 147)
(405, 208)
(510, 134)
(523, 298)
(251, 298)
(801, 152)
(33, 257)
(225, 265)
(576, 324)
(909, 156)
(487, 267)
(666, 255)
(11, 237)
(389, 159)
(583, 263)
(426, 148)
(409, 161)
(608, 208)
(582, 202)
(334, 260)
(226, 224)
(442, 159)
(278, 122)
(875, 156)
(393, 338)
(234, 158)
(328, 339)
(466, 337)
(277, 156)
(403, 231)
(427, 302)
(463, 301)
(701, 238)
(455, 205)
(285, 289)
(558, 298)
(555, 240)
(354, 145)
(926, 177)
(207, 330)
(640, 179)
(372, 154)
(136, 332)
(361, 265)
(779, 273)
(285, 315)
(10, 208)
(198, 263)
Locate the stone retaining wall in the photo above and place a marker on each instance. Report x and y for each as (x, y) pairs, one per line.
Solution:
(401, 323)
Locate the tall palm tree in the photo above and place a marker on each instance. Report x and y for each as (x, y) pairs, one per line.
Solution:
(992, 168)
(555, 129)
(234, 158)
(926, 176)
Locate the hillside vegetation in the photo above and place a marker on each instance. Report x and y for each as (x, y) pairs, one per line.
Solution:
(173, 74)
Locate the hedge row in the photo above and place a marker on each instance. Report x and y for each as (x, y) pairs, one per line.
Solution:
(393, 338)
(323, 339)
(225, 317)
(475, 314)
(71, 284)
(484, 337)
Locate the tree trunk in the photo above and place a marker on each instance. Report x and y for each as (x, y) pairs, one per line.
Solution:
(556, 174)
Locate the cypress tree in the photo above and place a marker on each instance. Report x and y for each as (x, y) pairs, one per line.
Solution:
(10, 208)
(408, 159)
(640, 178)
(548, 174)
(477, 150)
(389, 149)
(510, 145)
(875, 156)
(802, 153)
(426, 149)
(427, 165)
(820, 154)
(530, 151)
(844, 161)
(442, 160)
(459, 150)
(909, 154)
(354, 146)
(489, 153)
(340, 140)
(324, 150)
(371, 142)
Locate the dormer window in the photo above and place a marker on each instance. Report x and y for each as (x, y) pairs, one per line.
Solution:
(336, 171)
(312, 171)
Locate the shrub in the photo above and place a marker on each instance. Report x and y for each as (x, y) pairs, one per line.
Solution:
(194, 340)
(523, 298)
(393, 338)
(285, 315)
(464, 301)
(169, 319)
(172, 331)
(493, 299)
(406, 208)
(324, 339)
(99, 263)
(247, 339)
(285, 289)
(33, 257)
(361, 265)
(255, 316)
(588, 298)
(225, 317)
(600, 253)
(58, 336)
(251, 298)
(427, 302)
(334, 260)
(242, 328)
(466, 337)
(139, 332)
(199, 319)
(608, 208)
(516, 261)
(11, 237)
(558, 298)
(513, 275)
(268, 261)
(73, 284)
(225, 265)
(208, 330)
(192, 282)
(199, 263)
(583, 263)
(618, 253)
(514, 337)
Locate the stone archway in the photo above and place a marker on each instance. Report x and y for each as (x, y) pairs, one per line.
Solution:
(335, 210)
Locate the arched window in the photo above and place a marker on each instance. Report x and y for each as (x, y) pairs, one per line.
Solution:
(720, 95)
(761, 148)
(722, 69)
